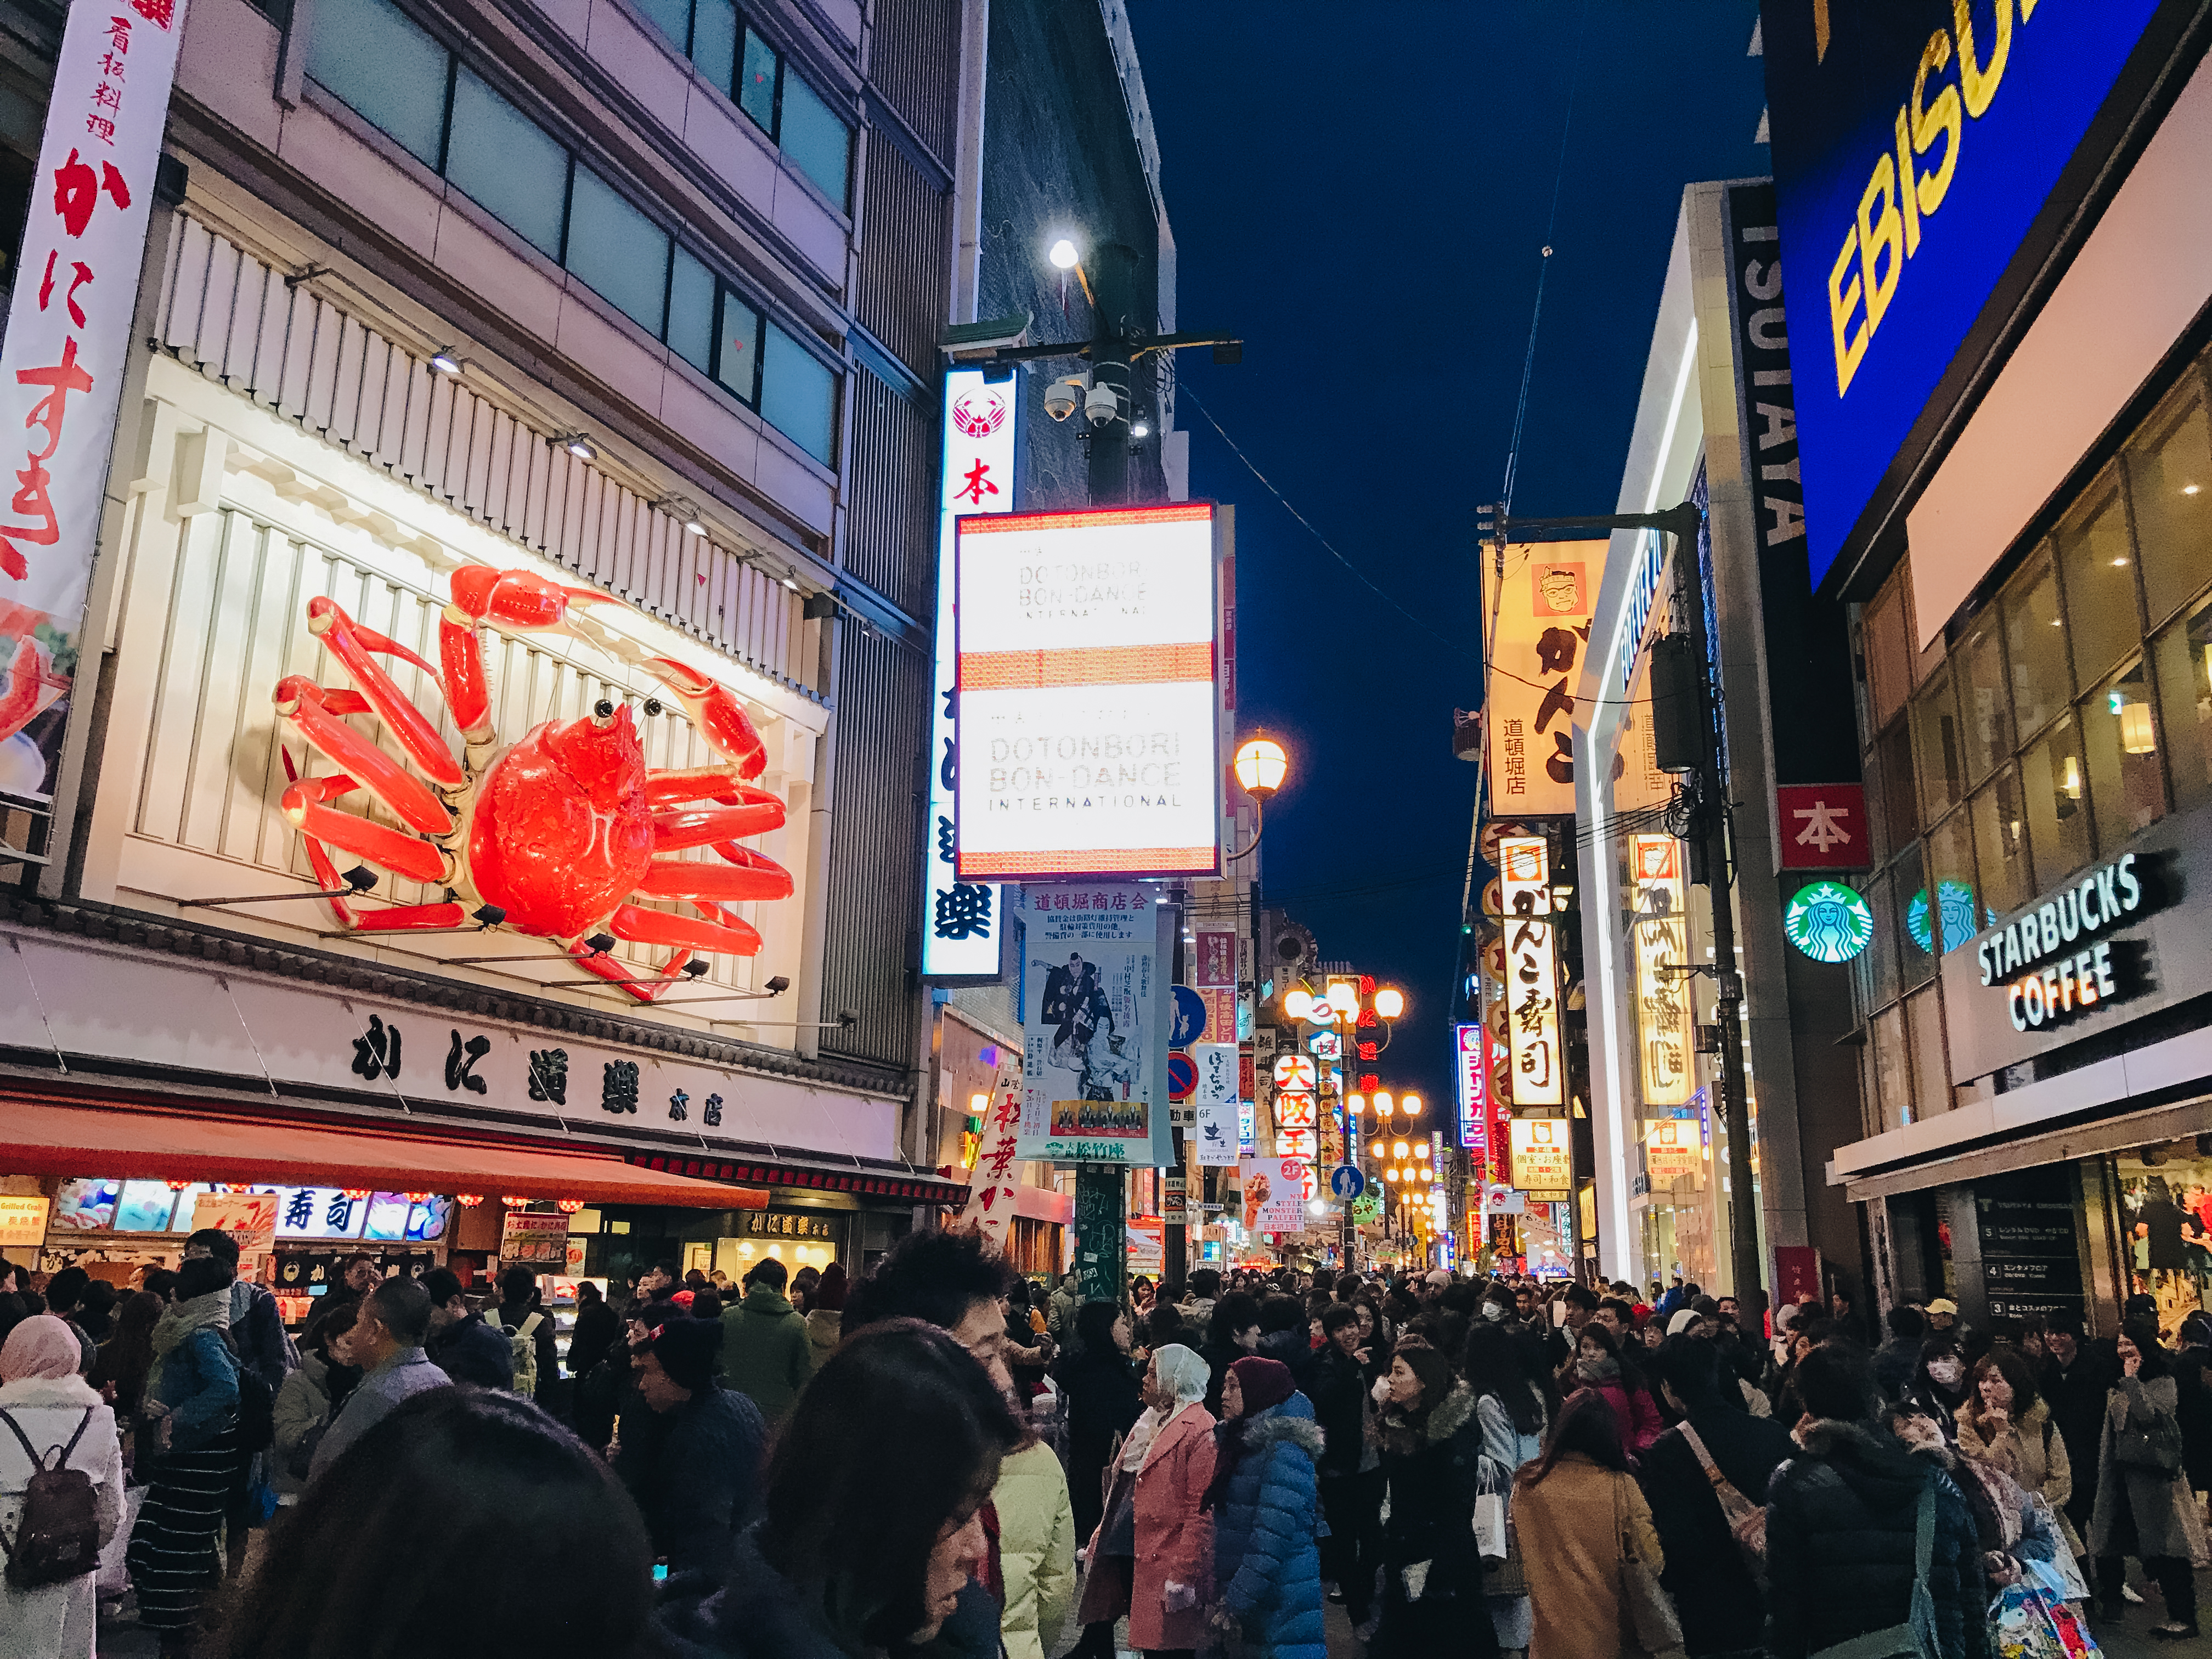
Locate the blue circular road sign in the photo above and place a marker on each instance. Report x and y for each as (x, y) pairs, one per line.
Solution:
(1189, 1017)
(1347, 1183)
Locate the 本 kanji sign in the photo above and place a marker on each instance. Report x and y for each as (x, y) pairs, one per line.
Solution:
(961, 921)
(1532, 990)
(1823, 826)
(61, 375)
(1543, 613)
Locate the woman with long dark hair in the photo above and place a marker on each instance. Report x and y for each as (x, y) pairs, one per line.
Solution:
(1574, 1507)
(1432, 1600)
(1100, 1382)
(1265, 1498)
(1938, 1386)
(1600, 1364)
(119, 1367)
(872, 1527)
(2144, 1507)
(453, 1476)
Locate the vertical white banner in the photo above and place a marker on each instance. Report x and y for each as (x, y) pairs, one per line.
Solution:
(1531, 992)
(68, 335)
(961, 922)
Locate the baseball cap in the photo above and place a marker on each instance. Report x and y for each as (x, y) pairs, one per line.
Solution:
(1943, 1304)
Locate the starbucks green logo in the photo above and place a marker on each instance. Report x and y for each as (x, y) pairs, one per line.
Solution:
(1828, 922)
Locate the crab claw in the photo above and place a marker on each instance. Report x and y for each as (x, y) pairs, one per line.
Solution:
(716, 714)
(24, 674)
(515, 598)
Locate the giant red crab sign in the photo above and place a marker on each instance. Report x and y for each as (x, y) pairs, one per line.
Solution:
(559, 829)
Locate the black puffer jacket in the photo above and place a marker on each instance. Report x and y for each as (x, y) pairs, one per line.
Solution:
(1339, 1403)
(1839, 1546)
(1714, 1593)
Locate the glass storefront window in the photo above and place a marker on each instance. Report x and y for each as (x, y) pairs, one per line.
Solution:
(2182, 654)
(1897, 804)
(1883, 631)
(1924, 1025)
(1893, 1067)
(1881, 948)
(1984, 700)
(2120, 734)
(2096, 560)
(2001, 835)
(2170, 484)
(1915, 941)
(2166, 1227)
(1951, 874)
(1935, 738)
(2035, 646)
(2055, 781)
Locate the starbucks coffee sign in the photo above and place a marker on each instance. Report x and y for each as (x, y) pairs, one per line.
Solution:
(2052, 961)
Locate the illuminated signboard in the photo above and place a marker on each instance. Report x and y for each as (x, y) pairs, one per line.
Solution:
(1088, 712)
(1916, 147)
(1673, 1148)
(1543, 1157)
(1829, 922)
(961, 922)
(1473, 1074)
(1543, 617)
(1664, 1017)
(2050, 962)
(1532, 995)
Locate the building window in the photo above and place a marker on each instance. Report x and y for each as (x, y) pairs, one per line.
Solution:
(812, 135)
(389, 70)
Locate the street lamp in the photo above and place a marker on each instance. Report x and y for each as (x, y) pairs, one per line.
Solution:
(1260, 768)
(1063, 255)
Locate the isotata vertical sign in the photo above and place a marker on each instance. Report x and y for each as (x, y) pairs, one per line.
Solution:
(1088, 708)
(962, 922)
(68, 335)
(1532, 972)
(1921, 149)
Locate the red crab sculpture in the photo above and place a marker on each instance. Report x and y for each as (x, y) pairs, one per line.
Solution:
(559, 831)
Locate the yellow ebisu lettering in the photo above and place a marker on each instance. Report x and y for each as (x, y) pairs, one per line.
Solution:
(1887, 231)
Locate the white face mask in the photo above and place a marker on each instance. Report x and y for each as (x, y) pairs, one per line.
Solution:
(1493, 1311)
(1945, 1371)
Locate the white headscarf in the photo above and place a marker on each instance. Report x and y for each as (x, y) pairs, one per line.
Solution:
(1184, 1375)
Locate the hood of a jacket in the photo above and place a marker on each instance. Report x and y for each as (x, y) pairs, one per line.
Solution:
(1450, 1416)
(760, 1299)
(1289, 1422)
(1874, 1466)
(34, 1391)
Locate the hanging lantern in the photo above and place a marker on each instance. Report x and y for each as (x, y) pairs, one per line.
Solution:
(177, 1185)
(512, 1202)
(418, 1198)
(358, 1194)
(570, 1206)
(468, 1201)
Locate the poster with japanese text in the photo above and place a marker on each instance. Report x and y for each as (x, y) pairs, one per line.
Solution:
(1216, 1133)
(61, 373)
(1094, 1021)
(1275, 1193)
(1666, 1041)
(992, 1183)
(1541, 634)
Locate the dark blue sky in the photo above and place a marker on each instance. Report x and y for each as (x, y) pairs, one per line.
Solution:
(1365, 204)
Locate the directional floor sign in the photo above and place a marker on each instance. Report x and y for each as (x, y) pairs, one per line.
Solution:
(1347, 1183)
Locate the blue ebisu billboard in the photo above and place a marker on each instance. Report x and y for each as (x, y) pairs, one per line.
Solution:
(1915, 143)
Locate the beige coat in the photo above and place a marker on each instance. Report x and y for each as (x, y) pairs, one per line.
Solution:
(2163, 1507)
(1571, 1548)
(2030, 1449)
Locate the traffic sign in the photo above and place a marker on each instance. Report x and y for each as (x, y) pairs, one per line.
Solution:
(1347, 1183)
(1189, 1017)
(1182, 1077)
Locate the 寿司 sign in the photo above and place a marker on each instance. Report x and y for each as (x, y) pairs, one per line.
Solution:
(1087, 711)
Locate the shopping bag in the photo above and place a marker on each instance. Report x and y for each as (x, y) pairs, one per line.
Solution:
(1490, 1526)
(2024, 1624)
(111, 1579)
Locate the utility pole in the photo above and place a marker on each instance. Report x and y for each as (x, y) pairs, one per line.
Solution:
(1707, 834)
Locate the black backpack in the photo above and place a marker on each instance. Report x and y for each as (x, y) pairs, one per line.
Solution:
(257, 1403)
(58, 1536)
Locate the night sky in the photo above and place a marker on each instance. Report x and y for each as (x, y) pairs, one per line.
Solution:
(1366, 205)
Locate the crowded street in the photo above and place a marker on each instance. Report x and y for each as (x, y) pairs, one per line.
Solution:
(1105, 828)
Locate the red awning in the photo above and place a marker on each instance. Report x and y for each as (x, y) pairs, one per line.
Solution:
(38, 1137)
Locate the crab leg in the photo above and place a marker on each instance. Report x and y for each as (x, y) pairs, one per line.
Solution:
(608, 969)
(315, 711)
(354, 646)
(413, 918)
(643, 927)
(390, 848)
(710, 826)
(511, 598)
(718, 783)
(717, 714)
(753, 877)
(319, 860)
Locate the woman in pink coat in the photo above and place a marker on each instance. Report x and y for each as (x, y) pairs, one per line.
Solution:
(1150, 1557)
(1598, 1364)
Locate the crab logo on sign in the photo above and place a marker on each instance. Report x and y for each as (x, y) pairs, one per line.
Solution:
(979, 414)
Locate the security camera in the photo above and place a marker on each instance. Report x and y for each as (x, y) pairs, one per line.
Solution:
(1101, 406)
(1063, 397)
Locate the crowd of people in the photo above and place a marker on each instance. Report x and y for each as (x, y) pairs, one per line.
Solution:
(942, 1458)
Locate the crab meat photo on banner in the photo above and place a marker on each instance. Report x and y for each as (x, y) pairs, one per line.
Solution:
(1096, 1007)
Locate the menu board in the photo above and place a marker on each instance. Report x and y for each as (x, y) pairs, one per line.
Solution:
(534, 1238)
(85, 1204)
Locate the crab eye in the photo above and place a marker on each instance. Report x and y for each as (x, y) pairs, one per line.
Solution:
(653, 705)
(603, 709)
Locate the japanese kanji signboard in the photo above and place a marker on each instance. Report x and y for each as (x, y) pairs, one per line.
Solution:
(1823, 826)
(1095, 1015)
(1543, 624)
(61, 375)
(992, 1181)
(961, 922)
(1664, 1017)
(1543, 1157)
(1531, 989)
(1217, 959)
(1215, 1131)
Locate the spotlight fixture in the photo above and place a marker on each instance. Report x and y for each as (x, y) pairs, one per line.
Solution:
(490, 914)
(778, 986)
(360, 877)
(695, 967)
(444, 362)
(791, 583)
(600, 943)
(580, 446)
(1140, 428)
